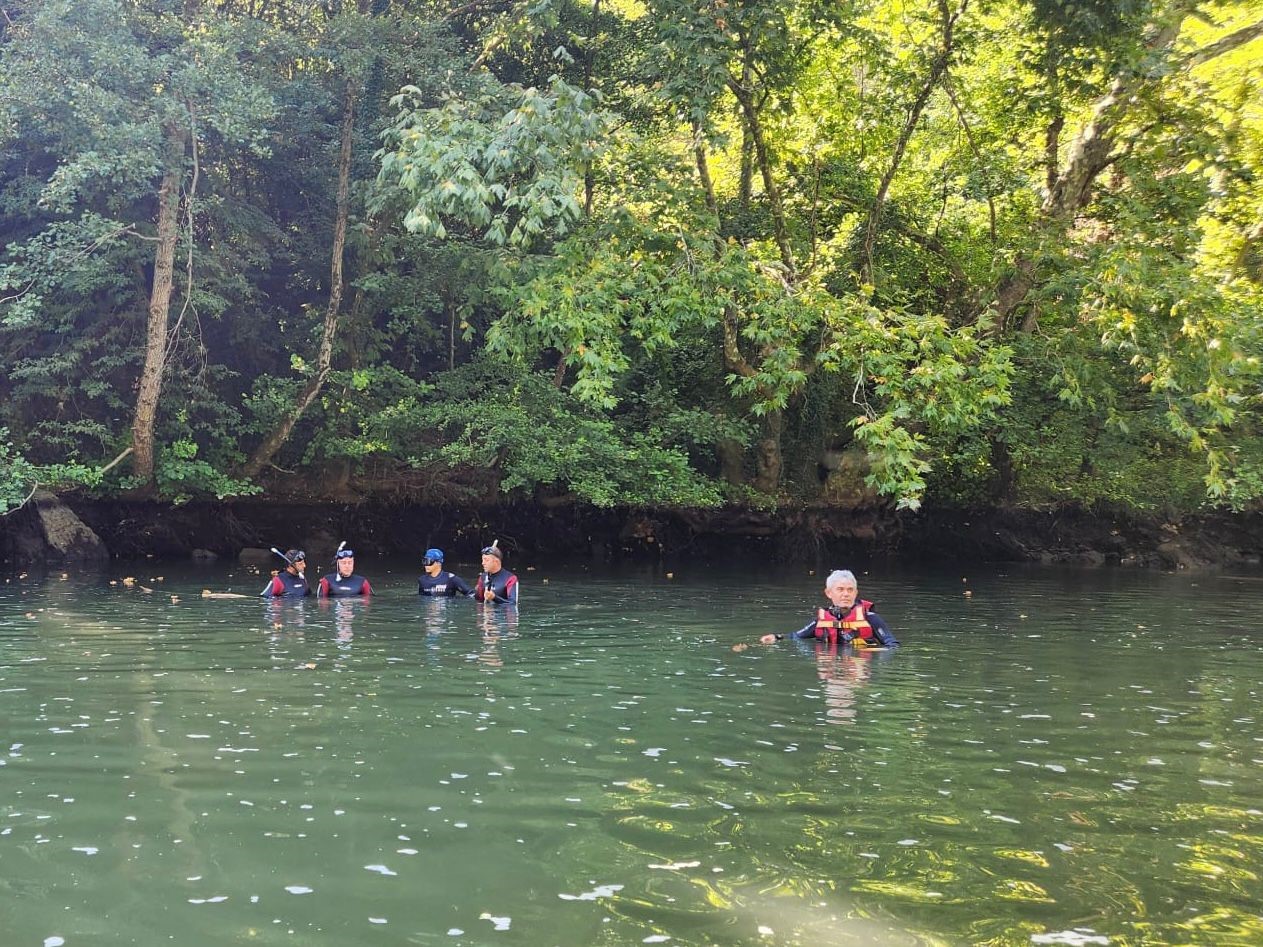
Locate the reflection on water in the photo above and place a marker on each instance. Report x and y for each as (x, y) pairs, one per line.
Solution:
(1060, 758)
(843, 672)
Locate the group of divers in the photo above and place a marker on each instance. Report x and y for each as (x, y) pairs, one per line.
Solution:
(846, 619)
(495, 584)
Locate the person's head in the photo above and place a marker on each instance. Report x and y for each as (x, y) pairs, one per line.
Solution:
(492, 558)
(297, 560)
(432, 561)
(841, 588)
(346, 562)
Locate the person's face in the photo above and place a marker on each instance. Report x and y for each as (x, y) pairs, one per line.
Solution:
(490, 563)
(299, 565)
(841, 594)
(346, 566)
(434, 567)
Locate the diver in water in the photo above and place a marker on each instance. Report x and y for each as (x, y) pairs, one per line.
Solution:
(343, 582)
(436, 581)
(496, 583)
(291, 582)
(847, 619)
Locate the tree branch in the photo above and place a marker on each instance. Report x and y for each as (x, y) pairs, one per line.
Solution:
(973, 146)
(34, 486)
(115, 462)
(480, 6)
(1091, 153)
(1230, 42)
(763, 156)
(938, 66)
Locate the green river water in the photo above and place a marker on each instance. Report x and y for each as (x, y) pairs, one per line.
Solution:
(1058, 758)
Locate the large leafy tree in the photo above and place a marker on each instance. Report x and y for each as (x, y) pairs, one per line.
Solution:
(117, 107)
(1000, 251)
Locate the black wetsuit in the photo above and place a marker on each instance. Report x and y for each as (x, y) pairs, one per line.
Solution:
(503, 583)
(287, 585)
(445, 583)
(334, 586)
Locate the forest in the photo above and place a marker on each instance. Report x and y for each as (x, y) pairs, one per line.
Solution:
(652, 253)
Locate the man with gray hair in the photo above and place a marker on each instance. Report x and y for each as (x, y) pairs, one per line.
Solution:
(847, 619)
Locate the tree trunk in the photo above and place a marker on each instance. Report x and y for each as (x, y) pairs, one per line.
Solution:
(745, 189)
(768, 458)
(1091, 153)
(324, 358)
(769, 462)
(1052, 148)
(938, 69)
(449, 306)
(731, 454)
(589, 58)
(763, 157)
(151, 373)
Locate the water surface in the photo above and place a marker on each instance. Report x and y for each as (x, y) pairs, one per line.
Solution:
(1057, 758)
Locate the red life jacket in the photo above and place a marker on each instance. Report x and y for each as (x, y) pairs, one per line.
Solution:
(856, 621)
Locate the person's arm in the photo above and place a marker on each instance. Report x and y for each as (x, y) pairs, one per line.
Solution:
(272, 588)
(460, 586)
(504, 596)
(366, 589)
(322, 590)
(882, 632)
(806, 631)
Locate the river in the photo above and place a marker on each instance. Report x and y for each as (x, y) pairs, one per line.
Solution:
(1056, 757)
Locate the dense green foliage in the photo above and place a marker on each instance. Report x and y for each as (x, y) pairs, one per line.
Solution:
(635, 251)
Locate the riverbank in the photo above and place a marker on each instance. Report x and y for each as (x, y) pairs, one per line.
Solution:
(808, 533)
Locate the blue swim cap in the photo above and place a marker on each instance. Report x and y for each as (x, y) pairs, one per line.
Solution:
(434, 555)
